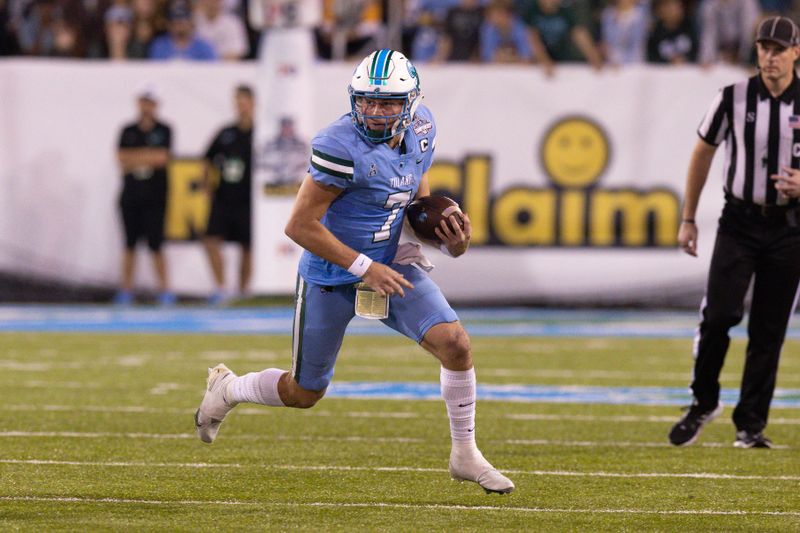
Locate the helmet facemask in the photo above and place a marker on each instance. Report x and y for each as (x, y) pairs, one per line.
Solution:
(383, 76)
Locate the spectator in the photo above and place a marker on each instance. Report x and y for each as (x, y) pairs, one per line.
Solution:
(243, 10)
(237, 8)
(726, 31)
(37, 31)
(411, 12)
(588, 13)
(776, 7)
(8, 38)
(119, 30)
(556, 34)
(437, 8)
(504, 38)
(624, 32)
(55, 28)
(425, 46)
(181, 42)
(89, 17)
(148, 22)
(349, 28)
(461, 36)
(143, 154)
(224, 31)
(672, 39)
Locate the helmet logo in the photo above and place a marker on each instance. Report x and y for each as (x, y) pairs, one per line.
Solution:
(413, 71)
(381, 67)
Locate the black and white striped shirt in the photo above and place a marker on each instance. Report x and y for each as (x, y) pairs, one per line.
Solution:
(762, 136)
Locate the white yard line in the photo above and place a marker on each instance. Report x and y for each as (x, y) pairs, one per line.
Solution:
(560, 373)
(625, 418)
(265, 411)
(192, 436)
(345, 468)
(618, 444)
(386, 505)
(308, 438)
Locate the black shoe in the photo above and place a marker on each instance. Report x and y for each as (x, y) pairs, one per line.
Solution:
(688, 428)
(751, 439)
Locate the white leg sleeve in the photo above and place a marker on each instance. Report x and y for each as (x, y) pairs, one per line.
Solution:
(458, 391)
(257, 387)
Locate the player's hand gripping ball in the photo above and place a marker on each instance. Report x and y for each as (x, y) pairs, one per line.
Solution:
(425, 214)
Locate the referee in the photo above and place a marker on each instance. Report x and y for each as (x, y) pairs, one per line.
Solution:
(758, 236)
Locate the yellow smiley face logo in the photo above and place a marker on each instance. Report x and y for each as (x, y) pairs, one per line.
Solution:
(575, 152)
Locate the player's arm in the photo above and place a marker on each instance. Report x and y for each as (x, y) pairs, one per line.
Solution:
(132, 158)
(699, 166)
(583, 40)
(540, 53)
(306, 229)
(424, 187)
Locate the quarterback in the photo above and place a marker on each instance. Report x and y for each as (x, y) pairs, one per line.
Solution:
(366, 167)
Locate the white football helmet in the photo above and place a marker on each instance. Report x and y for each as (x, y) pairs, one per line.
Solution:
(384, 74)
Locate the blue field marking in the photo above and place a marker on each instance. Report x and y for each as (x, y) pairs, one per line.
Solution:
(545, 393)
(503, 322)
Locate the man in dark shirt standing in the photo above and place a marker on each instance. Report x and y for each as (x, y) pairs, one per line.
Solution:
(229, 155)
(143, 155)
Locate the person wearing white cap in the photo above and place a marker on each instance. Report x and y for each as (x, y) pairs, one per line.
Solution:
(758, 237)
(143, 155)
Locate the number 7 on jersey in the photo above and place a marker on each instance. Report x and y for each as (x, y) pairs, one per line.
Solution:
(395, 202)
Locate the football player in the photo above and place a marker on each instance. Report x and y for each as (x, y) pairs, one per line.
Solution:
(348, 215)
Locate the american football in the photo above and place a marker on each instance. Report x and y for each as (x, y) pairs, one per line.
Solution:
(426, 213)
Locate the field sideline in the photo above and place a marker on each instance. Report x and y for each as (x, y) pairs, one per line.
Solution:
(96, 434)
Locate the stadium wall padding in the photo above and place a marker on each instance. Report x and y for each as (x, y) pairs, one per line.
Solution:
(573, 183)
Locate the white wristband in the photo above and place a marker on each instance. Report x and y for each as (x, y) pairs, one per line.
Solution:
(360, 266)
(445, 251)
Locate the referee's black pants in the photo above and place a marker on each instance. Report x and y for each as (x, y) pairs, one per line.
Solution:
(749, 244)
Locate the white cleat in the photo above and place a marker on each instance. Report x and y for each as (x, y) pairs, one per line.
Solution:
(473, 467)
(214, 406)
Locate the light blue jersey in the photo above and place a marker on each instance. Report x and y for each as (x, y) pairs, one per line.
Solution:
(377, 184)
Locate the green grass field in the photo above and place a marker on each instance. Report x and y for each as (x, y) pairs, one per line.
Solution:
(96, 434)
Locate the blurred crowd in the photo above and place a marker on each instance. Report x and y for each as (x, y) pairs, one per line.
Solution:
(546, 32)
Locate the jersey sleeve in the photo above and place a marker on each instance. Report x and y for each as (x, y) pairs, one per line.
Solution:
(429, 139)
(714, 127)
(331, 163)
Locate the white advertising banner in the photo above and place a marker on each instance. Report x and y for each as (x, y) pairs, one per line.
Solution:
(573, 184)
(281, 151)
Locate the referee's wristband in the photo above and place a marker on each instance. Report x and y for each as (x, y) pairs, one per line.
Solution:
(360, 266)
(688, 221)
